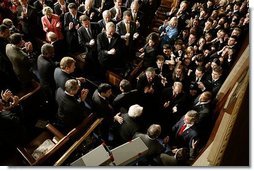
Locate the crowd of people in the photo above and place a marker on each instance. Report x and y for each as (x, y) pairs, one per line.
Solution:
(169, 106)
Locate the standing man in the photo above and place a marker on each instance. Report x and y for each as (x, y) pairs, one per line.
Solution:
(71, 25)
(17, 54)
(128, 32)
(109, 47)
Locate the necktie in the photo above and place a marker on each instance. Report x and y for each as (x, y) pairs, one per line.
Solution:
(182, 129)
(134, 16)
(128, 31)
(89, 33)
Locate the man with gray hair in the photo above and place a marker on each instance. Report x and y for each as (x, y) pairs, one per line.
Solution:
(109, 46)
(128, 124)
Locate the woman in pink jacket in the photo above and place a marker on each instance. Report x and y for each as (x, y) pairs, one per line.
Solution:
(51, 22)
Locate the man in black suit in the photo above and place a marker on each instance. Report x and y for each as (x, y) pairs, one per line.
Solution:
(137, 16)
(117, 11)
(162, 69)
(64, 73)
(173, 100)
(214, 81)
(202, 104)
(149, 86)
(106, 17)
(71, 25)
(71, 112)
(46, 67)
(87, 34)
(129, 124)
(103, 108)
(103, 5)
(128, 97)
(109, 47)
(198, 78)
(59, 46)
(128, 32)
(184, 131)
(27, 18)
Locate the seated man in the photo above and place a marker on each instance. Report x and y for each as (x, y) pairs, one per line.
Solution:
(71, 111)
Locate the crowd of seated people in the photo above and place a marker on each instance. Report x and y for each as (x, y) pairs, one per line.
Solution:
(183, 67)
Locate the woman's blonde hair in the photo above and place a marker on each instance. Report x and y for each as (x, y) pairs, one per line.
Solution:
(47, 10)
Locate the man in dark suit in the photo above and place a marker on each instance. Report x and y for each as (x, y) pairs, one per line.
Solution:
(64, 73)
(46, 67)
(27, 18)
(173, 100)
(214, 81)
(71, 25)
(87, 34)
(184, 131)
(59, 46)
(128, 32)
(149, 86)
(117, 11)
(129, 124)
(7, 75)
(71, 112)
(109, 47)
(106, 17)
(198, 78)
(128, 97)
(103, 108)
(137, 16)
(103, 5)
(162, 69)
(202, 104)
(19, 59)
(151, 141)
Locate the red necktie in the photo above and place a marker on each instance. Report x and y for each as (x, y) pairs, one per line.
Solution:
(182, 129)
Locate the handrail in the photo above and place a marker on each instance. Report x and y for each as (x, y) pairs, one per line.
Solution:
(78, 142)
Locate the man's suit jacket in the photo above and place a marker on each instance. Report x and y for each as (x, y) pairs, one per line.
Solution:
(154, 147)
(102, 25)
(72, 35)
(51, 25)
(103, 45)
(84, 38)
(185, 139)
(121, 30)
(102, 107)
(123, 101)
(28, 21)
(179, 100)
(61, 77)
(213, 86)
(113, 13)
(46, 68)
(20, 63)
(70, 111)
(205, 118)
(128, 128)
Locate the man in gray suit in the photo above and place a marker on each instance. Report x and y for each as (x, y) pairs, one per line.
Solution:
(17, 53)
